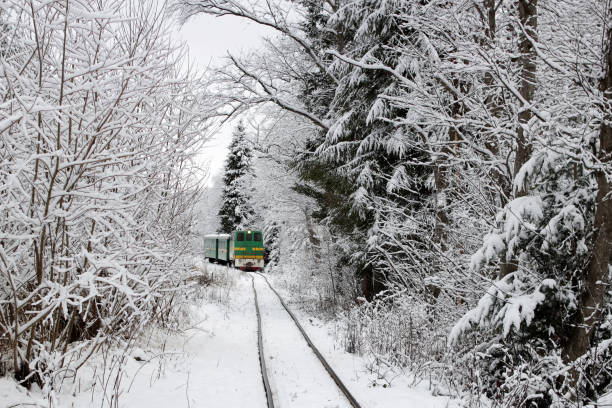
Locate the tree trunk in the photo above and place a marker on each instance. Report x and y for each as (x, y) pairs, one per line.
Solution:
(441, 201)
(595, 276)
(528, 15)
(494, 104)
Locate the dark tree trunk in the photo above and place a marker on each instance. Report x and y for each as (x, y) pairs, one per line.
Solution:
(595, 276)
(528, 15)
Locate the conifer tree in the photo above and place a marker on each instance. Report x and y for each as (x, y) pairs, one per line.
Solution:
(272, 244)
(236, 210)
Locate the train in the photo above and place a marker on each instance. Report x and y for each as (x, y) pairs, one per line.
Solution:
(242, 249)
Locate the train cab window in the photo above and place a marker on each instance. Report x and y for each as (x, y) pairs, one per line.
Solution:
(257, 236)
(249, 236)
(240, 236)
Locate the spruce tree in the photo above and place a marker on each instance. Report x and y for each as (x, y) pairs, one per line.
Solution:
(272, 244)
(365, 158)
(236, 210)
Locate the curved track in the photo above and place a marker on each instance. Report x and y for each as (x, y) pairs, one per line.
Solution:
(351, 399)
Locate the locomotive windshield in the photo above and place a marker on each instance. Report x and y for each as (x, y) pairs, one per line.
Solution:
(240, 236)
(257, 236)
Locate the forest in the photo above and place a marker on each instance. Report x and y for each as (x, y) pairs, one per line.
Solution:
(432, 178)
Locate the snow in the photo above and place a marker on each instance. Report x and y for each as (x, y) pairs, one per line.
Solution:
(492, 246)
(569, 218)
(519, 212)
(540, 164)
(218, 365)
(336, 131)
(399, 179)
(297, 378)
(605, 401)
(13, 395)
(518, 217)
(518, 307)
(354, 372)
(377, 111)
(217, 236)
(479, 316)
(214, 363)
(360, 198)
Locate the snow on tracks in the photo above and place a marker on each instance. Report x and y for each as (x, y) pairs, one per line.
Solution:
(218, 365)
(298, 378)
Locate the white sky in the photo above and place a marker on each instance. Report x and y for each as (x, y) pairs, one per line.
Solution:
(209, 39)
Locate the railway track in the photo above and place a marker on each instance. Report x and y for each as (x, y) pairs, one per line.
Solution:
(264, 372)
(262, 357)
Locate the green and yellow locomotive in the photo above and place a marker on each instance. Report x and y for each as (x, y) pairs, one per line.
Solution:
(243, 249)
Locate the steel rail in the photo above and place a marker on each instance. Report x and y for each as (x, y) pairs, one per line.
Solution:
(315, 350)
(260, 348)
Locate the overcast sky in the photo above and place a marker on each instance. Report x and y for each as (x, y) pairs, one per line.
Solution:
(209, 39)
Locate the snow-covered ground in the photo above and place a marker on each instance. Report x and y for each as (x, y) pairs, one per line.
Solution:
(297, 378)
(214, 363)
(354, 370)
(219, 364)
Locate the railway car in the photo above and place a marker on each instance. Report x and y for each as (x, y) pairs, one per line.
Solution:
(217, 248)
(243, 249)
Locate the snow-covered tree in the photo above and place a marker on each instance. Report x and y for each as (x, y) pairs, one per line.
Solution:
(272, 244)
(236, 201)
(98, 129)
(458, 148)
(547, 243)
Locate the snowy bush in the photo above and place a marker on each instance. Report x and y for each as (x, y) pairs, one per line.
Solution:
(528, 314)
(396, 326)
(272, 244)
(99, 125)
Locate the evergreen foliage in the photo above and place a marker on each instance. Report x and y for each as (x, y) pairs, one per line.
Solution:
(462, 154)
(236, 210)
(272, 244)
(355, 166)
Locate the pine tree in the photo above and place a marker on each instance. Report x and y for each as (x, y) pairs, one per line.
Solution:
(363, 159)
(272, 244)
(236, 210)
